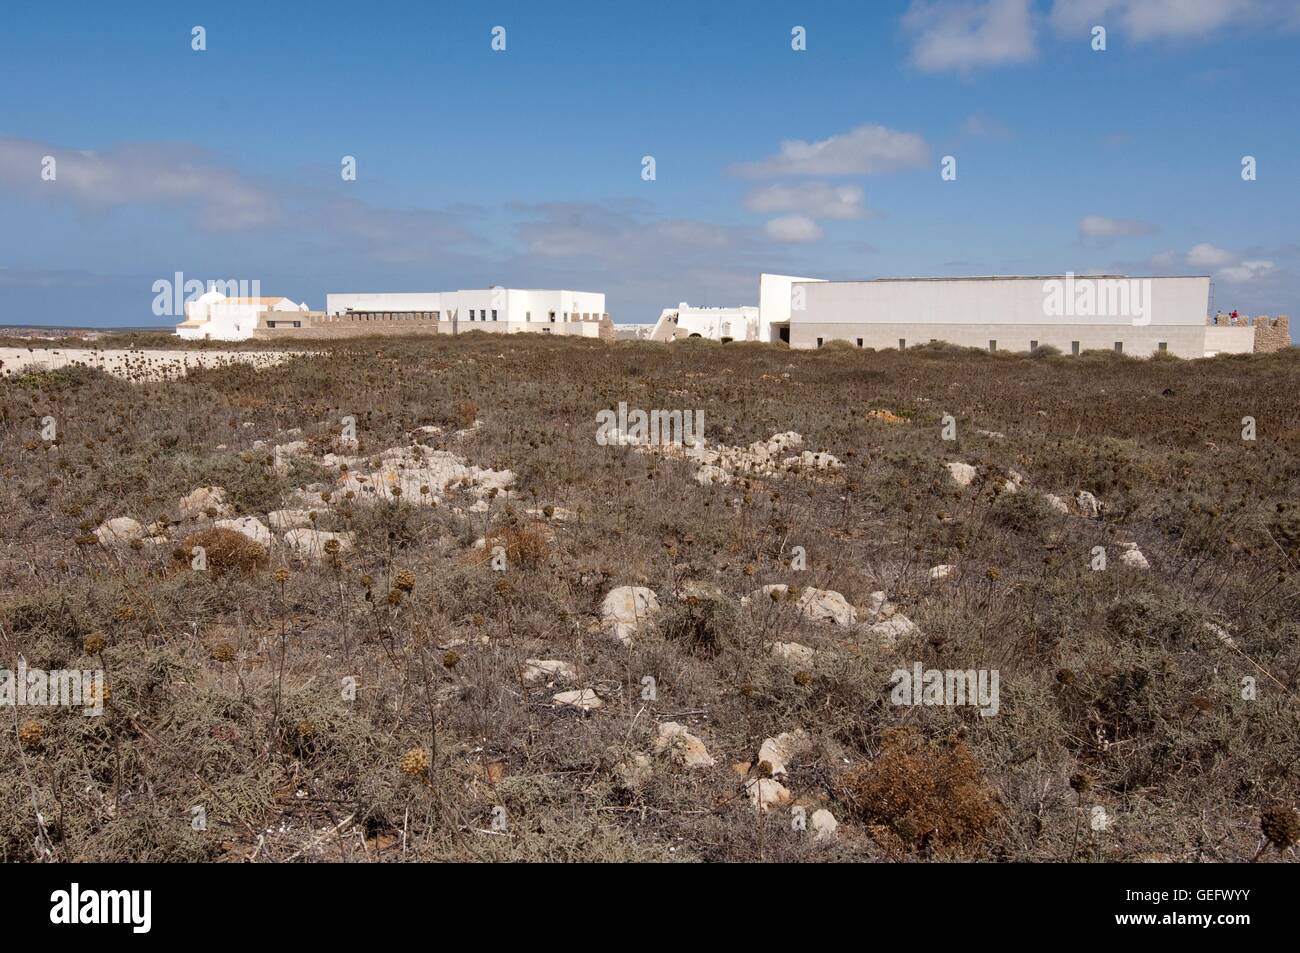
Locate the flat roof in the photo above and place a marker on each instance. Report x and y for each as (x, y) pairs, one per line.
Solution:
(848, 281)
(459, 290)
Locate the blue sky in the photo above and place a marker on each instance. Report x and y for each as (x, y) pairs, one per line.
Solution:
(523, 167)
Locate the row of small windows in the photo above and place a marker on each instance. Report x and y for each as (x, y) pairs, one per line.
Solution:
(476, 314)
(393, 315)
(1033, 345)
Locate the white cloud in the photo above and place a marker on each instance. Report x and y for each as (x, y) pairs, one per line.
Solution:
(793, 229)
(1099, 226)
(1245, 272)
(1229, 266)
(812, 199)
(135, 174)
(965, 34)
(866, 150)
(1206, 255)
(1167, 19)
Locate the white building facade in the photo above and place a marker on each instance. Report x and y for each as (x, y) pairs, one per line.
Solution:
(495, 310)
(214, 317)
(716, 324)
(1137, 316)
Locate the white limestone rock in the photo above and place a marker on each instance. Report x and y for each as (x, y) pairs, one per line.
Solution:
(538, 670)
(823, 825)
(942, 571)
(710, 475)
(249, 526)
(963, 474)
(197, 502)
(282, 520)
(813, 461)
(817, 605)
(682, 746)
(584, 699)
(794, 653)
(627, 609)
(1133, 557)
(782, 749)
(119, 531)
(1089, 507)
(310, 543)
(282, 453)
(889, 631)
(421, 475)
(767, 793)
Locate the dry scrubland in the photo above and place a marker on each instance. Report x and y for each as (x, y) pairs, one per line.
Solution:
(1119, 688)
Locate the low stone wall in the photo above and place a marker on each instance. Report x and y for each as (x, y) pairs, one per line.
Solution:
(319, 326)
(1272, 334)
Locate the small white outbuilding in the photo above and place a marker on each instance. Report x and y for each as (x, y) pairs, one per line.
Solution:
(214, 317)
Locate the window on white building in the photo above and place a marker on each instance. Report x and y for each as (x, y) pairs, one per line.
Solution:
(494, 314)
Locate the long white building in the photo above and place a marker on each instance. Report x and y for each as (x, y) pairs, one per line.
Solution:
(1139, 316)
(498, 310)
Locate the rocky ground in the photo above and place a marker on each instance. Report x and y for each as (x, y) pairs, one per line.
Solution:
(132, 364)
(392, 600)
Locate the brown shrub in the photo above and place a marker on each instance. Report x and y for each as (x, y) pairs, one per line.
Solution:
(527, 546)
(924, 794)
(227, 551)
(465, 413)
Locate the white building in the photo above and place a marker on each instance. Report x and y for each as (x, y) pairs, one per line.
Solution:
(775, 297)
(1138, 316)
(498, 310)
(717, 324)
(214, 317)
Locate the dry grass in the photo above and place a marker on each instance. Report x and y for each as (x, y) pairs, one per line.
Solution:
(229, 689)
